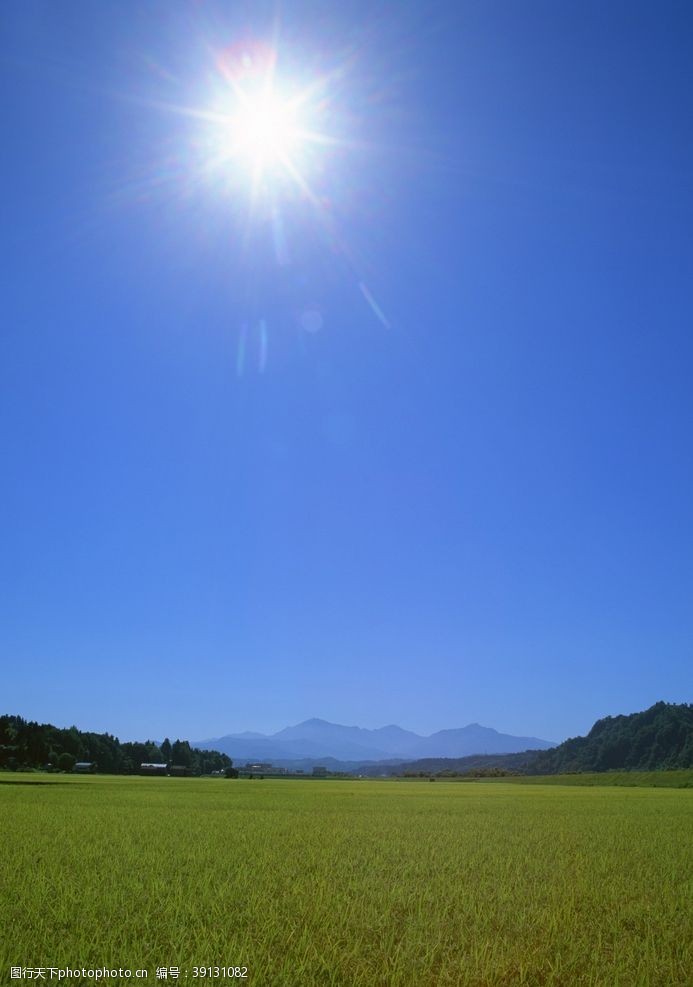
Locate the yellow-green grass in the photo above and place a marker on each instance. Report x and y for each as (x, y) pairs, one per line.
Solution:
(354, 883)
(682, 778)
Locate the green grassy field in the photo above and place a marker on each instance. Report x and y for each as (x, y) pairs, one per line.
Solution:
(348, 882)
(642, 779)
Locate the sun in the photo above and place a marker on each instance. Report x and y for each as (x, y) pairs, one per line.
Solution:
(263, 126)
(262, 135)
(265, 131)
(260, 121)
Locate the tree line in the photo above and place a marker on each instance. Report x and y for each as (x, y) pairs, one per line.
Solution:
(26, 744)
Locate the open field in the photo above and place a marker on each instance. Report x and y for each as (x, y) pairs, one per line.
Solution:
(641, 779)
(349, 882)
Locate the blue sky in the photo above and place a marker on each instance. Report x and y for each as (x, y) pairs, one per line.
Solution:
(409, 442)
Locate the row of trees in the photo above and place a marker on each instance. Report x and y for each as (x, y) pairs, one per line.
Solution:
(490, 772)
(26, 744)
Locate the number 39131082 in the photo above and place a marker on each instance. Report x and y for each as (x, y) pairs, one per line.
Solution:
(220, 972)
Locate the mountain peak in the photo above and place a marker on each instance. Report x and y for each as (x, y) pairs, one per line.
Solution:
(318, 738)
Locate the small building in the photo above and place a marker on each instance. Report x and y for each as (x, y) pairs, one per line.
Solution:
(319, 772)
(153, 769)
(85, 767)
(259, 766)
(179, 771)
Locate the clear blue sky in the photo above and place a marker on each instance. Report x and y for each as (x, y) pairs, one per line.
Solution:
(411, 444)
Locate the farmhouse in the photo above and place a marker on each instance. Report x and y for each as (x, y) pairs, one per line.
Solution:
(153, 769)
(85, 767)
(179, 771)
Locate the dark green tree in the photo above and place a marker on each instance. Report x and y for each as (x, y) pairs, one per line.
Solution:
(181, 753)
(66, 761)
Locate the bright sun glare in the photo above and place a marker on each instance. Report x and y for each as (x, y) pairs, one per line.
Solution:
(259, 124)
(264, 131)
(268, 136)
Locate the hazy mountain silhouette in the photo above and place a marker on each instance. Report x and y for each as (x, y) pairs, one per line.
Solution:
(317, 738)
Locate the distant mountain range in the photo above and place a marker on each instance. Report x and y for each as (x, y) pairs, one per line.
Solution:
(320, 739)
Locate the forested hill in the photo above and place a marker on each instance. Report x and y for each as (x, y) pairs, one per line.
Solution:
(659, 737)
(33, 745)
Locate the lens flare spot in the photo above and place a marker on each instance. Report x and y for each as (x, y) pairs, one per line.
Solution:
(310, 320)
